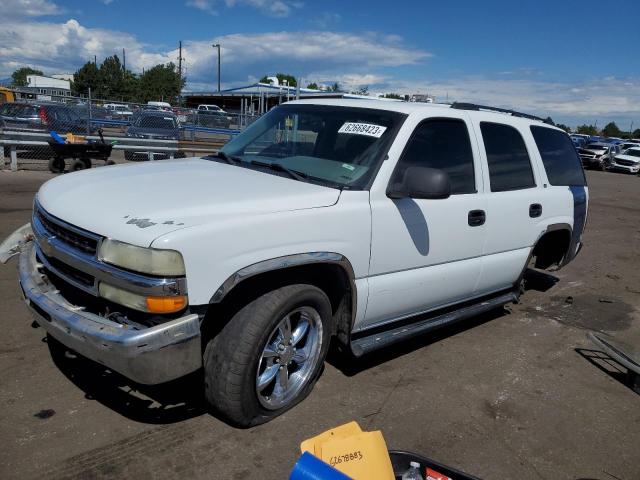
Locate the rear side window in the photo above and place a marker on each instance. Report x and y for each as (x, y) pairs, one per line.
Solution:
(443, 144)
(559, 157)
(509, 164)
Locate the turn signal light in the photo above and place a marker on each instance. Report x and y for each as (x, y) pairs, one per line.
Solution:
(166, 304)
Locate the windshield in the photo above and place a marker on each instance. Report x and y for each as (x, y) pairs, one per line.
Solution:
(342, 146)
(593, 146)
(153, 121)
(634, 152)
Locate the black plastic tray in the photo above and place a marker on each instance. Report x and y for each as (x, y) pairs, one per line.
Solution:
(400, 461)
(93, 150)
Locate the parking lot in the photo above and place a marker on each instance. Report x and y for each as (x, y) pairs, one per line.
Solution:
(516, 394)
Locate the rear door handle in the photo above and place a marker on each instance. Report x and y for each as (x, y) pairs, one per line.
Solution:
(535, 210)
(476, 218)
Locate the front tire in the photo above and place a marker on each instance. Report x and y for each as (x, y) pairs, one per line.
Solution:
(267, 358)
(56, 165)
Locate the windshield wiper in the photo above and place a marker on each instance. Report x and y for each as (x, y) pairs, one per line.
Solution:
(300, 176)
(230, 159)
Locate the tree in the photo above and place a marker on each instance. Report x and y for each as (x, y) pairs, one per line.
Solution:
(564, 127)
(587, 130)
(393, 95)
(611, 130)
(313, 86)
(110, 78)
(291, 80)
(335, 87)
(86, 77)
(636, 133)
(19, 77)
(161, 82)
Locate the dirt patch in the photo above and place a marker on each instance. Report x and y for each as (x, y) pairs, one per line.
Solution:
(589, 312)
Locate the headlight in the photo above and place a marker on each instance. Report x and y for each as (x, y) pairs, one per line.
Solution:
(140, 302)
(139, 259)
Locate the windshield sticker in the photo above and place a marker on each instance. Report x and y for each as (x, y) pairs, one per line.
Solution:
(367, 129)
(348, 167)
(168, 118)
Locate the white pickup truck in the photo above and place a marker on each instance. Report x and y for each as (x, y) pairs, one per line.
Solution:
(349, 221)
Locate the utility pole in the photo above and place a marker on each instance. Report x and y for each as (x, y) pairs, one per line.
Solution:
(180, 61)
(180, 73)
(124, 61)
(217, 45)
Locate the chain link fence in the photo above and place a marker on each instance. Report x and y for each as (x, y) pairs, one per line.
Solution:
(32, 131)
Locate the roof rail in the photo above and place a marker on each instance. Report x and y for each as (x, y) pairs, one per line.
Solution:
(473, 106)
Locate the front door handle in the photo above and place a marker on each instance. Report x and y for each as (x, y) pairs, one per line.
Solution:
(535, 210)
(476, 218)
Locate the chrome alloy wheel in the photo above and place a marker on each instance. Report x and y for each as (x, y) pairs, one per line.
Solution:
(289, 357)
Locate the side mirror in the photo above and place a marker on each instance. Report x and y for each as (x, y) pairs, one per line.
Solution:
(421, 182)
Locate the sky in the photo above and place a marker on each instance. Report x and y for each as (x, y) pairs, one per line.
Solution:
(576, 61)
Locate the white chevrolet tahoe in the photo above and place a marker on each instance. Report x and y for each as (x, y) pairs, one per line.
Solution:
(350, 221)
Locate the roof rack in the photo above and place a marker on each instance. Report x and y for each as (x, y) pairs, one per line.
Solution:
(473, 106)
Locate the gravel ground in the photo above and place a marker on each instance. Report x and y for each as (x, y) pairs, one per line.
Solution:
(519, 393)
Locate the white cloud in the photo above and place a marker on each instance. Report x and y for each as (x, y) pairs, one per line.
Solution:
(204, 5)
(353, 60)
(587, 100)
(107, 2)
(55, 47)
(274, 8)
(29, 8)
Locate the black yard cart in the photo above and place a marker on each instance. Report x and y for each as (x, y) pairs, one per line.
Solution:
(81, 153)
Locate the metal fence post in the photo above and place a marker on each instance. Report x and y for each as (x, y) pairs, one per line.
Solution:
(89, 111)
(14, 159)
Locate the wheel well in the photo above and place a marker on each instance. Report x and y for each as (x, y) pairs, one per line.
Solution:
(551, 248)
(332, 279)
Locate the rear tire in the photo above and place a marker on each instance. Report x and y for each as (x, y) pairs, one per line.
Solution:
(80, 164)
(254, 370)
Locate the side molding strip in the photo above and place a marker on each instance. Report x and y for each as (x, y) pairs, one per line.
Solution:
(579, 217)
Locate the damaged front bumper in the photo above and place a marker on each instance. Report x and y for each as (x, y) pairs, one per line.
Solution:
(148, 356)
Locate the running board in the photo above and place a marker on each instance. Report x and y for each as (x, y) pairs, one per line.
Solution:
(363, 345)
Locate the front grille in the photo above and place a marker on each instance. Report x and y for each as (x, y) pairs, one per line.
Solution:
(626, 163)
(68, 271)
(71, 237)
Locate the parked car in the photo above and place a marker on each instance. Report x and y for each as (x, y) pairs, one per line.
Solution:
(210, 108)
(578, 142)
(96, 113)
(164, 106)
(329, 221)
(626, 145)
(213, 119)
(43, 117)
(153, 125)
(598, 155)
(627, 161)
(118, 111)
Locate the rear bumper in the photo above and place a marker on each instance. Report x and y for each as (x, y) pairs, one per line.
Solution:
(149, 356)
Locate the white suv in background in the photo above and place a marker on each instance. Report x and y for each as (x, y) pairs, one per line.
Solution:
(350, 221)
(210, 108)
(627, 161)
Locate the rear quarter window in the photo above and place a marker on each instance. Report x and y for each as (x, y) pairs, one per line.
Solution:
(560, 159)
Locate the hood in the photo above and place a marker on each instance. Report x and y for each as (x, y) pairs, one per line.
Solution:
(153, 132)
(139, 202)
(630, 158)
(597, 151)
